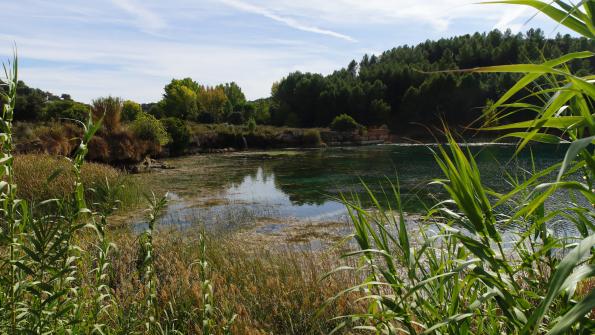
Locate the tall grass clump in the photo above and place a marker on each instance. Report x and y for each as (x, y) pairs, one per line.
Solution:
(109, 110)
(484, 262)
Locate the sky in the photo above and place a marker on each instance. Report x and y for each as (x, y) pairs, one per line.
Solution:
(133, 48)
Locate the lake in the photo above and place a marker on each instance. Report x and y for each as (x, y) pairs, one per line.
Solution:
(268, 190)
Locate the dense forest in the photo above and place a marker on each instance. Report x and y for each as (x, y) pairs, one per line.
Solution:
(395, 89)
(398, 88)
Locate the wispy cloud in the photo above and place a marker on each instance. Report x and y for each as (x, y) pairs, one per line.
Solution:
(507, 21)
(246, 7)
(145, 19)
(94, 48)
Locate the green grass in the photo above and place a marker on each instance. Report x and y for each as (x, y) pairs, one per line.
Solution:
(41, 177)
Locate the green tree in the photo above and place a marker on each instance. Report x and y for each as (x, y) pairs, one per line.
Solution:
(397, 78)
(234, 95)
(181, 99)
(213, 100)
(65, 109)
(130, 110)
(147, 127)
(179, 135)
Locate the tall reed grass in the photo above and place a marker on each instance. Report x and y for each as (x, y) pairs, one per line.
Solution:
(484, 262)
(49, 283)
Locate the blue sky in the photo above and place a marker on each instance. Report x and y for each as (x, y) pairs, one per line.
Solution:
(132, 48)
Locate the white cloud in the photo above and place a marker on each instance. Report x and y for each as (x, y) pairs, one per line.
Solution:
(240, 5)
(104, 66)
(145, 19)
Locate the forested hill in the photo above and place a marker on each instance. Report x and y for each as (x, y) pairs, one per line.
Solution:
(393, 89)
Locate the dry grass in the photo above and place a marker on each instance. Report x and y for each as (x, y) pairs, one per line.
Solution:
(271, 292)
(32, 172)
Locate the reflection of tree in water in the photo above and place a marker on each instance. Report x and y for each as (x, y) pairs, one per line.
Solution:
(314, 177)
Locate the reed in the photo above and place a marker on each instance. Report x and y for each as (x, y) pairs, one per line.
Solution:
(484, 262)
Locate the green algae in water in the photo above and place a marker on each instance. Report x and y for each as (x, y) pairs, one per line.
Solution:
(304, 184)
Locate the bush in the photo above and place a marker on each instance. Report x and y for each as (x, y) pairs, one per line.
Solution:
(344, 122)
(147, 127)
(98, 150)
(251, 125)
(312, 138)
(178, 133)
(65, 109)
(235, 118)
(130, 110)
(205, 117)
(110, 109)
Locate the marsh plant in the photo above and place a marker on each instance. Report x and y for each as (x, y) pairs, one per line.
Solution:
(484, 262)
(51, 282)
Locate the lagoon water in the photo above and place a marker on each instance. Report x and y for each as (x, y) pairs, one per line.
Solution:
(230, 190)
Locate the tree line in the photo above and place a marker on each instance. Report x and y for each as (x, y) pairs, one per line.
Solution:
(399, 87)
(403, 86)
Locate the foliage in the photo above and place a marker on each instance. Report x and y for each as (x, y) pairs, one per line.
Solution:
(187, 100)
(262, 113)
(251, 125)
(64, 109)
(147, 127)
(393, 89)
(213, 100)
(485, 262)
(180, 99)
(312, 138)
(344, 122)
(109, 110)
(31, 102)
(234, 95)
(178, 133)
(235, 118)
(130, 110)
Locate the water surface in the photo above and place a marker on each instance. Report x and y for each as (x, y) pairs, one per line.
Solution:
(230, 190)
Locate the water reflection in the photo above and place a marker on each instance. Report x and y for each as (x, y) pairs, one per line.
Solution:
(262, 189)
(303, 184)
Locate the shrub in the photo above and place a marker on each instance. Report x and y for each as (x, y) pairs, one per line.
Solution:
(235, 118)
(312, 138)
(126, 147)
(110, 109)
(344, 122)
(179, 134)
(130, 110)
(251, 125)
(147, 127)
(65, 109)
(205, 117)
(98, 150)
(58, 138)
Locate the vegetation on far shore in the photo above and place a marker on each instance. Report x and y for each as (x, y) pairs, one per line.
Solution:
(390, 89)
